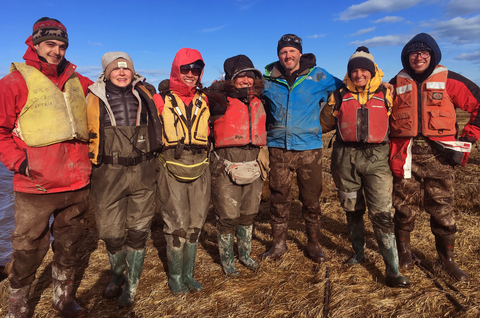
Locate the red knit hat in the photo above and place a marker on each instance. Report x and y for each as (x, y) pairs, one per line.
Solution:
(49, 29)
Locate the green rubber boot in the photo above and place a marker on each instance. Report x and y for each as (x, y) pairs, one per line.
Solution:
(388, 249)
(118, 263)
(225, 247)
(189, 255)
(244, 241)
(134, 268)
(175, 270)
(356, 230)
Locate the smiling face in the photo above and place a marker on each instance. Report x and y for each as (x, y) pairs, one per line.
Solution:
(53, 51)
(121, 77)
(289, 58)
(419, 61)
(360, 77)
(189, 76)
(243, 81)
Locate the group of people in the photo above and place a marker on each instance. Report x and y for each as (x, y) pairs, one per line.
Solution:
(126, 146)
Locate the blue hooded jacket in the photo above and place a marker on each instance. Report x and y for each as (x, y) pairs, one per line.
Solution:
(293, 112)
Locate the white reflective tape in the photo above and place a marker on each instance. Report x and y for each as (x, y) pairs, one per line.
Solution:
(403, 89)
(347, 195)
(435, 85)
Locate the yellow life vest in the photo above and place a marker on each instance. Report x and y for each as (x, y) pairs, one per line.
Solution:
(51, 116)
(177, 127)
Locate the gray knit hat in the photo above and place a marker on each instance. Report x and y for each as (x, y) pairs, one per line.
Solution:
(362, 58)
(113, 60)
(289, 40)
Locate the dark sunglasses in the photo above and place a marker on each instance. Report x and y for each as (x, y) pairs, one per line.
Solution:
(293, 38)
(186, 70)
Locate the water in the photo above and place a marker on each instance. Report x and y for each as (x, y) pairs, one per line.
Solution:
(6, 214)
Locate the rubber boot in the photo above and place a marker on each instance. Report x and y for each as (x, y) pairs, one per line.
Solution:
(62, 301)
(388, 249)
(244, 241)
(313, 247)
(356, 230)
(444, 245)
(279, 244)
(18, 302)
(133, 272)
(404, 249)
(225, 247)
(175, 270)
(118, 264)
(189, 255)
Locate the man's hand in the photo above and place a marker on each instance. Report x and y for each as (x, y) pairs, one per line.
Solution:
(390, 88)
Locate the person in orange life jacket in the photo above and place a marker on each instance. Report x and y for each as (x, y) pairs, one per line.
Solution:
(239, 131)
(183, 184)
(125, 131)
(423, 148)
(359, 111)
(52, 169)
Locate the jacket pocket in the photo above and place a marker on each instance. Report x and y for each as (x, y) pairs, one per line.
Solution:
(441, 120)
(401, 121)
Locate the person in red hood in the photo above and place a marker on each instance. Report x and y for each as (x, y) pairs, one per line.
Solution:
(43, 139)
(183, 182)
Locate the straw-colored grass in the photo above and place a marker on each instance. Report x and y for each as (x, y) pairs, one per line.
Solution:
(294, 286)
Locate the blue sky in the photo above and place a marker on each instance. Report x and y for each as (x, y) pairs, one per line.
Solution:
(153, 31)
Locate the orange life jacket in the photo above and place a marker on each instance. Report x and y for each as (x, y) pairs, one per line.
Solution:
(437, 111)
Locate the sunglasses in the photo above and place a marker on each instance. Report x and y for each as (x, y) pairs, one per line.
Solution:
(294, 38)
(186, 70)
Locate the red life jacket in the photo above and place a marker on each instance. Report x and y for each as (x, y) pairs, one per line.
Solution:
(438, 115)
(363, 123)
(241, 124)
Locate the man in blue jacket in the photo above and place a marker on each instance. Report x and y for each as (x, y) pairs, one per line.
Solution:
(294, 89)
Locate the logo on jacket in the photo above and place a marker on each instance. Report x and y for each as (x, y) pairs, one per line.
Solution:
(437, 96)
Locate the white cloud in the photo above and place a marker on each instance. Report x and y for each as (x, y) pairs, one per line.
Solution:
(366, 8)
(459, 30)
(214, 29)
(316, 36)
(95, 43)
(473, 57)
(245, 4)
(389, 19)
(363, 31)
(462, 7)
(388, 40)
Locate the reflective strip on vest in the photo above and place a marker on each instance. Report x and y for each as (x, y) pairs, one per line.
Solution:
(51, 116)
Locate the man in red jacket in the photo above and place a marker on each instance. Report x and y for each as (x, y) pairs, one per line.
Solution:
(43, 139)
(424, 148)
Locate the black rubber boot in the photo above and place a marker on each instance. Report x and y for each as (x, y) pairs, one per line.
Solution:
(18, 302)
(445, 245)
(404, 249)
(62, 301)
(313, 247)
(133, 272)
(175, 270)
(118, 264)
(189, 255)
(225, 248)
(356, 230)
(244, 241)
(388, 249)
(279, 246)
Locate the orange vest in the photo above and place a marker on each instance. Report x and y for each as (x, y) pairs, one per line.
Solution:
(241, 124)
(437, 111)
(363, 123)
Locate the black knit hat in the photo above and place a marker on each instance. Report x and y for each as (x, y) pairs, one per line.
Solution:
(362, 58)
(240, 65)
(417, 46)
(289, 40)
(49, 29)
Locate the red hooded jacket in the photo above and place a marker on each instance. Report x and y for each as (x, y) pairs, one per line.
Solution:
(60, 167)
(186, 93)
